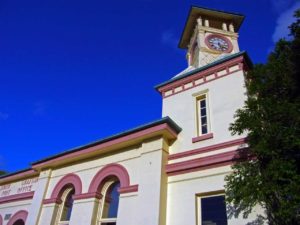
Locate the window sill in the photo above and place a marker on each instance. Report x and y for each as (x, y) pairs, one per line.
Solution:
(202, 137)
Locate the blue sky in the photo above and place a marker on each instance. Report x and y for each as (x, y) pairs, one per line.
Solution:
(72, 72)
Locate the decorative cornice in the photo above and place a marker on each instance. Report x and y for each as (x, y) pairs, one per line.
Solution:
(129, 189)
(203, 163)
(207, 75)
(210, 148)
(18, 176)
(88, 195)
(160, 129)
(202, 137)
(52, 200)
(17, 197)
(218, 31)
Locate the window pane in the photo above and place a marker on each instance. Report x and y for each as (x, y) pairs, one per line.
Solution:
(203, 103)
(111, 201)
(203, 120)
(213, 211)
(19, 222)
(68, 206)
(203, 112)
(204, 129)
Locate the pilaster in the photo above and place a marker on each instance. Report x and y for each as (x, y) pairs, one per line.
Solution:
(84, 211)
(152, 184)
(128, 201)
(39, 195)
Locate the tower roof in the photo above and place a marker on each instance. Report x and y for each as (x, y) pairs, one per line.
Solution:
(195, 12)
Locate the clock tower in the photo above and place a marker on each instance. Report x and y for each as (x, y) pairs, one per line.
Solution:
(209, 35)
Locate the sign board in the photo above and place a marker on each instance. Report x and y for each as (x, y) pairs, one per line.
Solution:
(19, 187)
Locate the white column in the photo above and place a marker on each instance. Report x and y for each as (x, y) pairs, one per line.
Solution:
(39, 195)
(224, 26)
(127, 212)
(231, 27)
(48, 214)
(188, 57)
(150, 209)
(199, 21)
(235, 44)
(206, 23)
(84, 211)
(201, 41)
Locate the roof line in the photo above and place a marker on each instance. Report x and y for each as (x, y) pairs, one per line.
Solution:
(206, 67)
(15, 172)
(167, 120)
(209, 9)
(217, 10)
(185, 24)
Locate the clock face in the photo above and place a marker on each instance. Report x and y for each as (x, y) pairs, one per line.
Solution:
(218, 43)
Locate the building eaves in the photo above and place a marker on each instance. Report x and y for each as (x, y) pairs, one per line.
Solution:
(15, 173)
(163, 120)
(217, 62)
(190, 19)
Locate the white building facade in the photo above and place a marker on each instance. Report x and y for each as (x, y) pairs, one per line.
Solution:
(167, 172)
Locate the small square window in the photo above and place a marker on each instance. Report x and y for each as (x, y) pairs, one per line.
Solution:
(211, 209)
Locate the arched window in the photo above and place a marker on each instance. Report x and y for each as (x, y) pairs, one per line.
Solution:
(65, 208)
(19, 222)
(19, 218)
(106, 186)
(62, 195)
(109, 203)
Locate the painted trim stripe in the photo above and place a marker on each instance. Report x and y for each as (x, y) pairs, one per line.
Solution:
(129, 189)
(210, 148)
(203, 163)
(110, 143)
(18, 176)
(202, 137)
(239, 61)
(17, 197)
(122, 190)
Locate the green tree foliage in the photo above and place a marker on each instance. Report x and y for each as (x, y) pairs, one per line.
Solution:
(2, 172)
(268, 172)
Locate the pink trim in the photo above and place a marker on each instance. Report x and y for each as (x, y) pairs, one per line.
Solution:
(230, 47)
(196, 85)
(99, 147)
(129, 189)
(17, 197)
(109, 170)
(70, 179)
(20, 175)
(202, 74)
(88, 195)
(201, 163)
(207, 149)
(52, 200)
(20, 215)
(202, 137)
